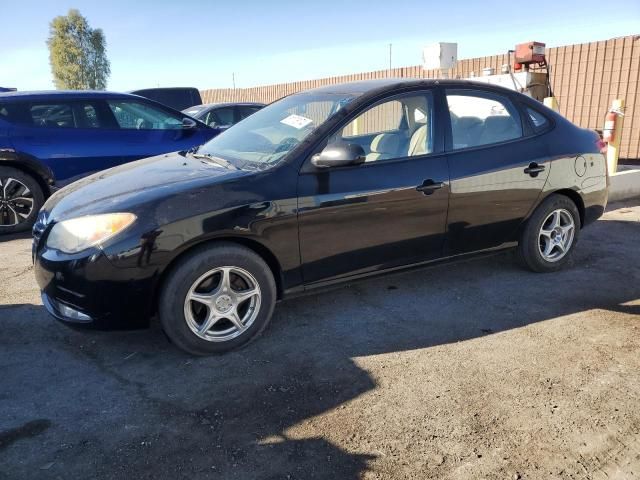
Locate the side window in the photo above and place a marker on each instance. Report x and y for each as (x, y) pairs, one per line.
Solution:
(86, 115)
(132, 115)
(90, 116)
(52, 115)
(479, 118)
(386, 117)
(539, 121)
(221, 117)
(398, 128)
(16, 112)
(246, 111)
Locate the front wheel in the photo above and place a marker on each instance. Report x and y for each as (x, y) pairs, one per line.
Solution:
(550, 236)
(216, 299)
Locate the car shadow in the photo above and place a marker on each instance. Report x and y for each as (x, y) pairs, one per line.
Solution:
(245, 414)
(5, 237)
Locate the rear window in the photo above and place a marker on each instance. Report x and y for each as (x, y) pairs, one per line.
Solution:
(539, 121)
(52, 115)
(9, 112)
(76, 114)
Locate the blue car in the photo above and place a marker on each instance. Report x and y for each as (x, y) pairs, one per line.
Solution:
(50, 139)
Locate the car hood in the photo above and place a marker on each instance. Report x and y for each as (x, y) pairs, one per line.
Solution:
(125, 187)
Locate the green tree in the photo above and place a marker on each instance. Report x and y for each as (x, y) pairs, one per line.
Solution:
(77, 53)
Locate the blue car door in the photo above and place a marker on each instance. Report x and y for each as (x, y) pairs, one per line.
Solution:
(66, 135)
(145, 128)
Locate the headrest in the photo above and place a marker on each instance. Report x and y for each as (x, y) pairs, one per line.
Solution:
(499, 123)
(385, 143)
(468, 122)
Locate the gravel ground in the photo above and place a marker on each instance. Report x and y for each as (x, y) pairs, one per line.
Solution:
(466, 371)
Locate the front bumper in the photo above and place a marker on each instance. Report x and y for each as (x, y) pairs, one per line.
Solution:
(87, 290)
(64, 312)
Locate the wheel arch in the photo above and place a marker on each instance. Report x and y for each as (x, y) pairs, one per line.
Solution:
(567, 192)
(32, 167)
(257, 247)
(576, 198)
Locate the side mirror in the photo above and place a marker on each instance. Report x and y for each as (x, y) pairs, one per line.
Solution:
(188, 123)
(339, 155)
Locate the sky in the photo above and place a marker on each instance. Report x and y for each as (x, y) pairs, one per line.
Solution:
(205, 44)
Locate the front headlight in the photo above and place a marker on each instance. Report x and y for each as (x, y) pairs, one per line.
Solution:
(77, 234)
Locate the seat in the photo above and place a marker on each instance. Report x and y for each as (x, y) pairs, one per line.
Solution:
(467, 131)
(499, 128)
(384, 146)
(142, 124)
(418, 142)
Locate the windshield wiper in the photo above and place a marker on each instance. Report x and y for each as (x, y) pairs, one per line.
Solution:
(217, 160)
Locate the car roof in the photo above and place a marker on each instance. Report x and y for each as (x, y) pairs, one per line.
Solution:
(228, 104)
(156, 89)
(63, 94)
(389, 84)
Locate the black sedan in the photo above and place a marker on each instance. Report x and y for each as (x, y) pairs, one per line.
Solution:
(324, 186)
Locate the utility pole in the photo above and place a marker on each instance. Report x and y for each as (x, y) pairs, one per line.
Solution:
(390, 48)
(233, 79)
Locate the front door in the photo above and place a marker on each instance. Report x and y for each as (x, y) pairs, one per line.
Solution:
(390, 210)
(145, 129)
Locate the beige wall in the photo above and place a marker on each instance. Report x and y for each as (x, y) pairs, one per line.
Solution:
(585, 78)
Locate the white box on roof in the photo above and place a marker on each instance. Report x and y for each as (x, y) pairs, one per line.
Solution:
(441, 55)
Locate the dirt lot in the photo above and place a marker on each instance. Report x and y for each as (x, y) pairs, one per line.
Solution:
(476, 370)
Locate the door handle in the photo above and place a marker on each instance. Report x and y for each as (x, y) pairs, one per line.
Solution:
(534, 169)
(429, 186)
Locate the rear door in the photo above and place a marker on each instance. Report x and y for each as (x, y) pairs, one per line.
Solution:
(390, 210)
(497, 169)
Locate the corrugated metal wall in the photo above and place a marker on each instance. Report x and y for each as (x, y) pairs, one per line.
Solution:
(585, 78)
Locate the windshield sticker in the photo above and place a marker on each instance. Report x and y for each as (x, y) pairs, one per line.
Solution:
(296, 121)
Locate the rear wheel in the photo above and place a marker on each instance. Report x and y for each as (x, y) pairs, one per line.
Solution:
(217, 299)
(20, 200)
(550, 236)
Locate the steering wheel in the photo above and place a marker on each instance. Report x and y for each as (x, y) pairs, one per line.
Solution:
(286, 144)
(255, 141)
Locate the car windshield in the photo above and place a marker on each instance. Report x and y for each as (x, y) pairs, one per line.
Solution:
(265, 137)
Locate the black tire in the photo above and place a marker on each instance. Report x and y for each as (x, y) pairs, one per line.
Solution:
(189, 270)
(529, 249)
(6, 214)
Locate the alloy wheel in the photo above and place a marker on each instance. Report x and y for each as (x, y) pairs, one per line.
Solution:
(222, 304)
(16, 202)
(556, 235)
